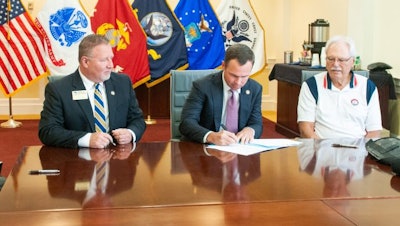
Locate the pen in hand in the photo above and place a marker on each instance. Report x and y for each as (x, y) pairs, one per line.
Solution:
(113, 143)
(223, 127)
(112, 139)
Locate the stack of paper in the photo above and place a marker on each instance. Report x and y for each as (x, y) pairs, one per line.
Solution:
(256, 146)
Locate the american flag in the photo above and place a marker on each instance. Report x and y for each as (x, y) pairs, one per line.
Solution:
(21, 48)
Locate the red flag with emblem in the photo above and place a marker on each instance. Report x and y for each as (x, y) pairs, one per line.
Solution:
(118, 22)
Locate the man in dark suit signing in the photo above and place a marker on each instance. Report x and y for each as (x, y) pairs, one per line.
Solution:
(204, 116)
(67, 118)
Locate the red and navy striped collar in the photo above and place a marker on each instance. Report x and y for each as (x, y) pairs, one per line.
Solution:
(328, 82)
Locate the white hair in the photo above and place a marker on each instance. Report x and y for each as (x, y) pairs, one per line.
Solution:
(342, 39)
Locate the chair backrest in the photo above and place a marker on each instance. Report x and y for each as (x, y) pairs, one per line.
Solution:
(2, 179)
(53, 78)
(181, 84)
(305, 74)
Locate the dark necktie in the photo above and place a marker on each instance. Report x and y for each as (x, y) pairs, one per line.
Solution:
(232, 112)
(99, 115)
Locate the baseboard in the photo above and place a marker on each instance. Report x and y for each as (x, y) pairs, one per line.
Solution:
(20, 117)
(21, 107)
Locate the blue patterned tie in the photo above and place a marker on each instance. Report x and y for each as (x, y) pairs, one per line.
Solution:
(99, 115)
(232, 112)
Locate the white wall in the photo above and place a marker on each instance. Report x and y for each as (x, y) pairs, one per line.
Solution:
(374, 26)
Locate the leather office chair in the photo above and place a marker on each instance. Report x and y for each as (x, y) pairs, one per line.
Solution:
(394, 117)
(180, 86)
(53, 78)
(305, 74)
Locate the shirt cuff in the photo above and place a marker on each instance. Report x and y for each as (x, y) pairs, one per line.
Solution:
(133, 136)
(205, 137)
(84, 141)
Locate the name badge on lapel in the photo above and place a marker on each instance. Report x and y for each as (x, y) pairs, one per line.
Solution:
(79, 95)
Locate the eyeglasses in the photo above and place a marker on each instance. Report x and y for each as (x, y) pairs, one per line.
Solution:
(340, 60)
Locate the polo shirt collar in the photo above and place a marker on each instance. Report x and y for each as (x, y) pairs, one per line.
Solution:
(328, 82)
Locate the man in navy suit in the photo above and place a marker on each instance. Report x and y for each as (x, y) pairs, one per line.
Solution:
(67, 118)
(204, 113)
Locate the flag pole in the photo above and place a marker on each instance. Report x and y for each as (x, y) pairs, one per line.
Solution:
(10, 123)
(149, 120)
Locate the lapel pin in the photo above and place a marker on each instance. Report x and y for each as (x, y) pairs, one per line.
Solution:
(247, 91)
(112, 93)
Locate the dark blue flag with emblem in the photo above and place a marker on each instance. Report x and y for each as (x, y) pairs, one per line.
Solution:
(203, 33)
(165, 39)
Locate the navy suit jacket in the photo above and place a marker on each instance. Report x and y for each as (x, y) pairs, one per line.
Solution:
(64, 120)
(203, 108)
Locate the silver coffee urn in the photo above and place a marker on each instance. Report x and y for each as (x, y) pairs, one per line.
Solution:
(318, 35)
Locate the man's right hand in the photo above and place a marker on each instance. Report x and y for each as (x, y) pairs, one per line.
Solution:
(222, 137)
(100, 140)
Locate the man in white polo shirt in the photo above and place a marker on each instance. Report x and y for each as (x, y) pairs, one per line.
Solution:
(339, 103)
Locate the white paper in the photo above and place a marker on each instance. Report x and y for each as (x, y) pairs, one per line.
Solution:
(256, 146)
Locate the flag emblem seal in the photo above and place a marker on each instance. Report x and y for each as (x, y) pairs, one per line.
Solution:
(158, 28)
(67, 25)
(192, 33)
(118, 37)
(237, 29)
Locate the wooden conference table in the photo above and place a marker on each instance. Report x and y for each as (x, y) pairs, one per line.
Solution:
(177, 183)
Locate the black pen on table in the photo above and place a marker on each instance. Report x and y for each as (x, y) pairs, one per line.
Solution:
(45, 172)
(344, 146)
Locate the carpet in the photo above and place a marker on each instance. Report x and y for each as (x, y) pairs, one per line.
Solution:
(13, 140)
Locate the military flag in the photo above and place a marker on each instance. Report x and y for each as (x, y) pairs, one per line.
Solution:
(240, 25)
(118, 22)
(21, 48)
(203, 33)
(63, 24)
(165, 39)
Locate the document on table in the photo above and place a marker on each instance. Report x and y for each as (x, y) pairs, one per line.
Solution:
(256, 146)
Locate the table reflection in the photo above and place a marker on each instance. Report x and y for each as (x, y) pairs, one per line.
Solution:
(337, 166)
(224, 172)
(181, 173)
(90, 176)
(395, 183)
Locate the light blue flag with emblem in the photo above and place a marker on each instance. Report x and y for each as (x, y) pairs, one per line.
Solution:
(240, 25)
(63, 23)
(203, 34)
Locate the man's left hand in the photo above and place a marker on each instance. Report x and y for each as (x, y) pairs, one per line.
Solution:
(122, 136)
(246, 135)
